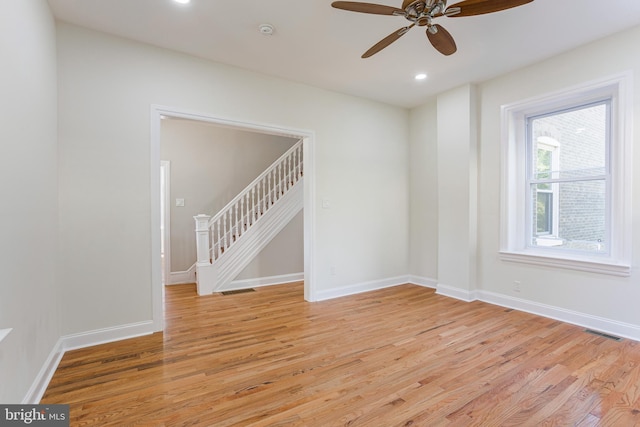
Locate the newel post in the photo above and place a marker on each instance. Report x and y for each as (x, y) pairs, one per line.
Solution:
(202, 239)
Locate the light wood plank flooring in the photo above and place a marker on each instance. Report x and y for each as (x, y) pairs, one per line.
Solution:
(402, 356)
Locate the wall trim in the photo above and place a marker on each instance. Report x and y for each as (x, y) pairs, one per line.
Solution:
(165, 167)
(457, 293)
(264, 281)
(613, 327)
(358, 288)
(41, 382)
(182, 277)
(423, 281)
(77, 341)
(106, 335)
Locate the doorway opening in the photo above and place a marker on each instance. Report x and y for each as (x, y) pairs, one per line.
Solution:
(160, 197)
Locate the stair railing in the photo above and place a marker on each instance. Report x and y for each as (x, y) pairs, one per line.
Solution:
(228, 225)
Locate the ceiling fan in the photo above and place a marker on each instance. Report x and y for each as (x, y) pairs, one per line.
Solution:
(422, 13)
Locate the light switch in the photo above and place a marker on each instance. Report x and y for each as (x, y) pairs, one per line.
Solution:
(326, 204)
(180, 203)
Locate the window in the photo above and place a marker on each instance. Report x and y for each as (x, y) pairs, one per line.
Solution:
(566, 179)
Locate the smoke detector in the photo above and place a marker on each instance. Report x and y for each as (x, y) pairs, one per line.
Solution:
(266, 29)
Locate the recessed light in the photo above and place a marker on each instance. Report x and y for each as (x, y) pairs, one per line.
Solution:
(182, 1)
(420, 76)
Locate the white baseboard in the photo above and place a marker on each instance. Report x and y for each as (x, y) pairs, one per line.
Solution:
(106, 335)
(457, 293)
(359, 288)
(263, 281)
(182, 277)
(77, 341)
(423, 281)
(40, 384)
(609, 326)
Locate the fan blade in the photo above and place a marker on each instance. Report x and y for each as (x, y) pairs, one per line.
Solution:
(386, 41)
(442, 40)
(480, 7)
(376, 9)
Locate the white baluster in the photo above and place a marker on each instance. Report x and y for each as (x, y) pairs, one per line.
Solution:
(249, 220)
(293, 168)
(295, 165)
(260, 209)
(230, 231)
(288, 172)
(269, 184)
(279, 180)
(237, 230)
(224, 229)
(300, 160)
(218, 239)
(241, 221)
(264, 196)
(253, 202)
(245, 211)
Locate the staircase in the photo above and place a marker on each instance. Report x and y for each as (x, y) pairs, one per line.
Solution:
(228, 242)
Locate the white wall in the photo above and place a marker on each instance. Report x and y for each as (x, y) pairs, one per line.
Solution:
(424, 192)
(210, 165)
(107, 86)
(29, 194)
(601, 301)
(457, 189)
(609, 297)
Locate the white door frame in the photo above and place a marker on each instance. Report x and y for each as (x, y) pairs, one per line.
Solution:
(166, 226)
(308, 144)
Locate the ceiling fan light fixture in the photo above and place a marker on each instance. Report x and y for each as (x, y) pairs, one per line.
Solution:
(420, 76)
(182, 1)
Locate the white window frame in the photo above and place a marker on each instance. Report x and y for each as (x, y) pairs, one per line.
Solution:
(514, 221)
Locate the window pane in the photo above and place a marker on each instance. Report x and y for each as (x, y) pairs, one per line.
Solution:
(570, 144)
(544, 214)
(544, 162)
(576, 221)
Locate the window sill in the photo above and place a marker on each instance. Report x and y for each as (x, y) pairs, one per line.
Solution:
(590, 265)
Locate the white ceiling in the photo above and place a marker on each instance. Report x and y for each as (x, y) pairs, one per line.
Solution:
(316, 44)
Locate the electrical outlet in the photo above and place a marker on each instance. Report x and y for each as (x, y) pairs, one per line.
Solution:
(332, 270)
(517, 286)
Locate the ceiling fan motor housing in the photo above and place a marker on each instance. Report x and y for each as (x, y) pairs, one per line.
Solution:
(422, 12)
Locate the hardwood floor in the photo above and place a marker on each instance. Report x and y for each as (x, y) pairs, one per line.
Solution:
(402, 356)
